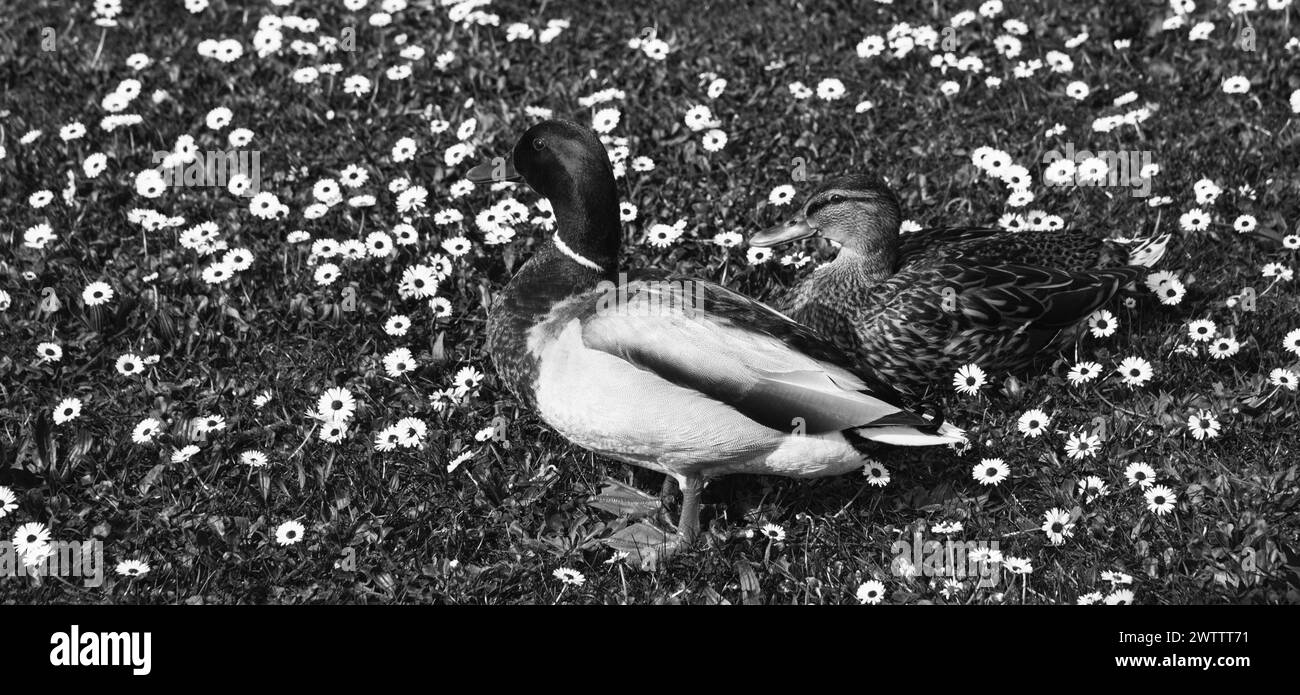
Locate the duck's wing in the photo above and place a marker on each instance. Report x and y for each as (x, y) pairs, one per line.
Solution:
(740, 352)
(992, 246)
(940, 240)
(1013, 295)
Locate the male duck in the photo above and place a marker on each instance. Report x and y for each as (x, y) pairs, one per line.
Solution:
(914, 308)
(688, 378)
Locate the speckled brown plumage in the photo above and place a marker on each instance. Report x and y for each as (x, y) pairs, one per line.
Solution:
(917, 307)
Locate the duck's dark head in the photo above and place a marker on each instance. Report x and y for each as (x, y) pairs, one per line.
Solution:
(566, 163)
(858, 211)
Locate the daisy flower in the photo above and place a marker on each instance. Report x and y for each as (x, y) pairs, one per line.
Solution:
(403, 150)
(830, 89)
(700, 118)
(1083, 372)
(990, 471)
(8, 501)
(1121, 597)
(1135, 371)
(253, 458)
(289, 532)
(1017, 565)
(948, 527)
(1102, 324)
(129, 365)
(1154, 281)
(1082, 445)
(145, 431)
(773, 532)
(399, 362)
(969, 379)
(1284, 378)
(94, 165)
(97, 293)
(336, 404)
(397, 325)
(781, 195)
(184, 453)
(569, 576)
(1088, 599)
(356, 85)
(1291, 342)
(1237, 84)
(1203, 425)
(1033, 423)
(37, 236)
(413, 431)
(30, 537)
(333, 431)
(728, 239)
(1092, 487)
(1223, 347)
(379, 244)
(1140, 474)
(132, 568)
(49, 352)
(440, 306)
(1057, 526)
(217, 273)
(388, 439)
(1244, 224)
(464, 456)
(871, 592)
(239, 260)
(876, 473)
(714, 140)
(209, 423)
(67, 410)
(606, 120)
(1194, 220)
(326, 274)
(419, 281)
(467, 378)
(1201, 330)
(456, 246)
(1160, 500)
(1171, 293)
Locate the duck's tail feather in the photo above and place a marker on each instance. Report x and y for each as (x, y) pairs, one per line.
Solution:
(1149, 252)
(897, 435)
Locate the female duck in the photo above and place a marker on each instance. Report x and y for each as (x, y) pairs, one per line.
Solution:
(694, 386)
(916, 308)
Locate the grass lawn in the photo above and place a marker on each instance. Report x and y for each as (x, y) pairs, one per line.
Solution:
(258, 348)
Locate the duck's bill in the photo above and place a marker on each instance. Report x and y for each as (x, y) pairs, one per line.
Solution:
(498, 169)
(796, 228)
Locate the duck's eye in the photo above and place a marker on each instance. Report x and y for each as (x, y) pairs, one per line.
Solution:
(539, 144)
(836, 199)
